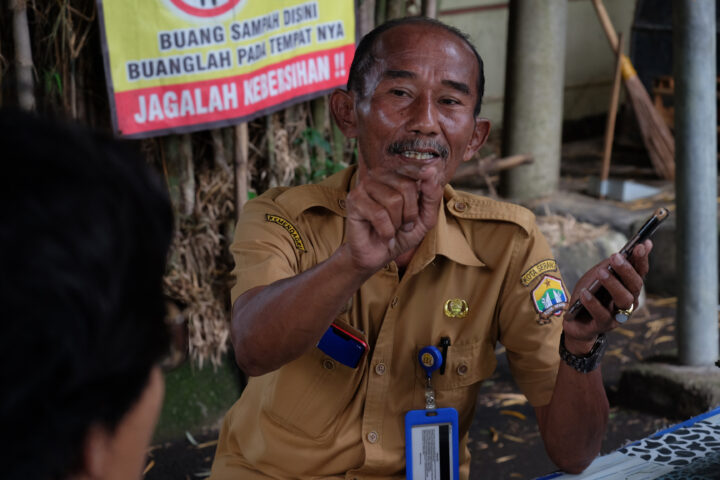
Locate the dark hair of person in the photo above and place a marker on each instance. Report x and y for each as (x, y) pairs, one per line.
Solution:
(84, 234)
(365, 59)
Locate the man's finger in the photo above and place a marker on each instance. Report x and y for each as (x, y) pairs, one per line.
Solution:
(431, 194)
(389, 199)
(640, 257)
(597, 310)
(402, 197)
(627, 275)
(362, 207)
(621, 296)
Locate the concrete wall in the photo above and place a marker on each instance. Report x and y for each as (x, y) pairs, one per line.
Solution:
(589, 62)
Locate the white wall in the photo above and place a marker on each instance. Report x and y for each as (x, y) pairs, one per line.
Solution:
(589, 62)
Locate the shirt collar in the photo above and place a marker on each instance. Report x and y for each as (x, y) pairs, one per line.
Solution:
(446, 239)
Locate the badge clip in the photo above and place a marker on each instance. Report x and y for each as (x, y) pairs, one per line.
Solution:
(430, 360)
(431, 435)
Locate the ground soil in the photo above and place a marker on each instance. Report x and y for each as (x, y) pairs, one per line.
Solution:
(507, 445)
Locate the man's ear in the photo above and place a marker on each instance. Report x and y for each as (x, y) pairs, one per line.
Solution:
(342, 107)
(96, 453)
(479, 137)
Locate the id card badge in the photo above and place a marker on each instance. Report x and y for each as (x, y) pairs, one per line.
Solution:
(431, 444)
(431, 435)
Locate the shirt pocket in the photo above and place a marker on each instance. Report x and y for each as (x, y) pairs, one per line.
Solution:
(465, 367)
(309, 393)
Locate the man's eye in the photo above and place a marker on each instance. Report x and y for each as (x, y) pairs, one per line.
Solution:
(399, 93)
(449, 101)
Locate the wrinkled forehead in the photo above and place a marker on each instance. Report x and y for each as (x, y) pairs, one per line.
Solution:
(421, 50)
(416, 46)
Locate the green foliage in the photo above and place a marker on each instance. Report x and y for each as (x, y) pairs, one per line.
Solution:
(53, 83)
(195, 399)
(321, 160)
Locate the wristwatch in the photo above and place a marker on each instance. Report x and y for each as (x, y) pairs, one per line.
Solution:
(584, 363)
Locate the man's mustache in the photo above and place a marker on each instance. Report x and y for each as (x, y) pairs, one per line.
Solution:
(418, 144)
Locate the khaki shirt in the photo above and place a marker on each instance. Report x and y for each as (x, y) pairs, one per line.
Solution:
(317, 418)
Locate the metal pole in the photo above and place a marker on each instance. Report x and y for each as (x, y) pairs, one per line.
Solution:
(533, 111)
(694, 67)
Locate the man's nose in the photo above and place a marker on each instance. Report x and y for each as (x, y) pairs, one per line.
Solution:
(423, 118)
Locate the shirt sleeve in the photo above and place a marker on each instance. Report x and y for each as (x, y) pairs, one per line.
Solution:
(530, 320)
(264, 247)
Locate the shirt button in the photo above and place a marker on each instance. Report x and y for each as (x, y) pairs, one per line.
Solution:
(460, 206)
(394, 302)
(341, 202)
(372, 437)
(380, 369)
(328, 364)
(462, 369)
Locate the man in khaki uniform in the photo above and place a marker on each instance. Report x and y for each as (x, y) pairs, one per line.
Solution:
(392, 254)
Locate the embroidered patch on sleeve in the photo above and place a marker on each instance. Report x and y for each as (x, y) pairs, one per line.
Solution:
(537, 270)
(290, 229)
(549, 298)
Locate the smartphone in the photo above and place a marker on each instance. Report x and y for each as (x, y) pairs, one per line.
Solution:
(645, 232)
(343, 346)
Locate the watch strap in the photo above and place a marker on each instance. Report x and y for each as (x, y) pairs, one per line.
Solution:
(584, 363)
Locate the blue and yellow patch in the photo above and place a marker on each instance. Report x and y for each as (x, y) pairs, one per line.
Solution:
(549, 298)
(290, 229)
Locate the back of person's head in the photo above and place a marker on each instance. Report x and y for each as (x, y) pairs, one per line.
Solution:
(84, 232)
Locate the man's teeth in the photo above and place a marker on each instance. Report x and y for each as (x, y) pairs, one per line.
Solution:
(418, 155)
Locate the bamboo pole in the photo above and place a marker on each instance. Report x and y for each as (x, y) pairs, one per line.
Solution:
(429, 8)
(320, 123)
(241, 167)
(366, 17)
(271, 157)
(23, 55)
(296, 123)
(396, 9)
(380, 11)
(612, 115)
(219, 156)
(169, 155)
(187, 175)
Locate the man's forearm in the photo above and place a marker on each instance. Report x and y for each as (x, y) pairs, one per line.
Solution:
(573, 424)
(277, 323)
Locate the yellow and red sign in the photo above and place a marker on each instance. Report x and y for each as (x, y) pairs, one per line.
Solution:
(185, 65)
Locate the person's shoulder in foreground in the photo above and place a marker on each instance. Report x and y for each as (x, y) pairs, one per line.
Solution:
(84, 232)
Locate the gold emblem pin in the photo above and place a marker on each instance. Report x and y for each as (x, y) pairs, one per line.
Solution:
(427, 360)
(456, 308)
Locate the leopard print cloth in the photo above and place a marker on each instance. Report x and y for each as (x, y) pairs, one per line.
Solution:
(693, 452)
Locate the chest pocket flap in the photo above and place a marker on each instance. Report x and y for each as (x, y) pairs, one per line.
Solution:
(465, 367)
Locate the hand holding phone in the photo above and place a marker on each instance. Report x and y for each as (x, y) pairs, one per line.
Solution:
(645, 232)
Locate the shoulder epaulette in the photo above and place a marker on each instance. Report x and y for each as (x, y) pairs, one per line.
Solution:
(469, 206)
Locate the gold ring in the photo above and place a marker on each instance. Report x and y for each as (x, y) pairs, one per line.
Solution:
(623, 315)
